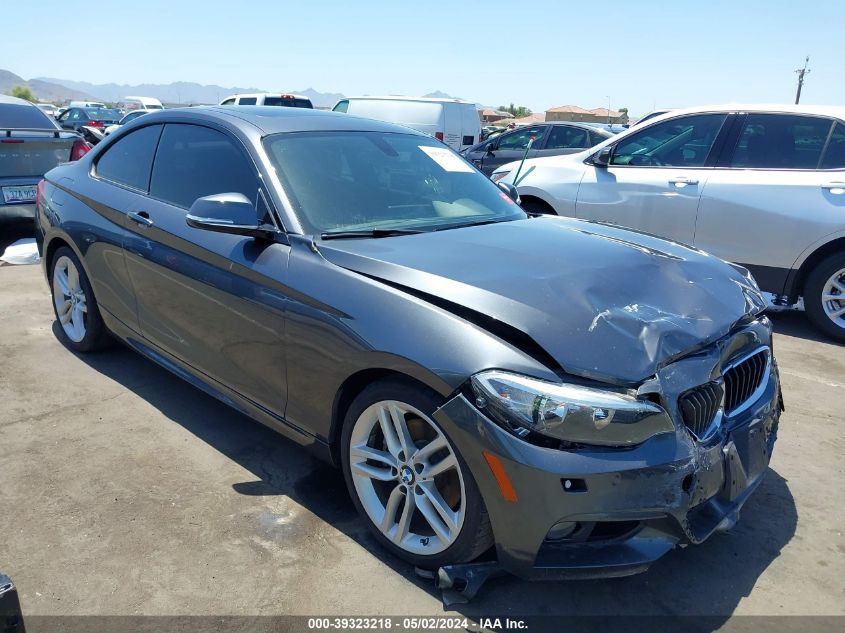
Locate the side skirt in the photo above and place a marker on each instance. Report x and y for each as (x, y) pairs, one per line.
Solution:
(214, 388)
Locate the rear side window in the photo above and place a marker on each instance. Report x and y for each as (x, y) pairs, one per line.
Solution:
(834, 156)
(129, 160)
(598, 137)
(228, 102)
(24, 116)
(781, 141)
(246, 101)
(681, 142)
(194, 161)
(567, 137)
(341, 106)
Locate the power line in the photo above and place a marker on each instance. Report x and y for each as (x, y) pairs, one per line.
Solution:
(801, 72)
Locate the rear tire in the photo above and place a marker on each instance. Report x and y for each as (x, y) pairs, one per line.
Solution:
(424, 507)
(824, 296)
(81, 327)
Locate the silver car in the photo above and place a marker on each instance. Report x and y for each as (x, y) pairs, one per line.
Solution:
(762, 186)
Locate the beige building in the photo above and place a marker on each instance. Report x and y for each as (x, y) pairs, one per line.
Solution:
(488, 115)
(576, 113)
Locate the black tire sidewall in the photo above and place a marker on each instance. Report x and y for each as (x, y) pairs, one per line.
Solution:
(476, 522)
(94, 328)
(813, 289)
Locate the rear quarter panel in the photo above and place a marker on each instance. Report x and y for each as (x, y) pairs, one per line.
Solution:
(75, 211)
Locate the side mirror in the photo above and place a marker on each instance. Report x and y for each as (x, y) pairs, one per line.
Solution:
(491, 146)
(602, 159)
(230, 213)
(509, 190)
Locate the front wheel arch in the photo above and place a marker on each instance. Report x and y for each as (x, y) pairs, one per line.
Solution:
(533, 204)
(354, 385)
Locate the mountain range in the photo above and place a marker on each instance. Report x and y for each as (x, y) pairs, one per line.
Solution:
(180, 92)
(44, 90)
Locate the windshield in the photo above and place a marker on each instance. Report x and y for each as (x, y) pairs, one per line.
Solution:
(101, 114)
(375, 180)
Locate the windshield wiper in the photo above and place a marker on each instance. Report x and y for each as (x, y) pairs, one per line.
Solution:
(461, 225)
(335, 235)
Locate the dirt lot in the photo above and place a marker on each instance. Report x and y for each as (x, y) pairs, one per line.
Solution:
(126, 491)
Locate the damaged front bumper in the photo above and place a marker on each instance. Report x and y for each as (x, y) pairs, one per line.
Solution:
(603, 512)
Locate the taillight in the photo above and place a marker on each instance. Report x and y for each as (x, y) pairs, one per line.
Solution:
(95, 124)
(438, 136)
(79, 149)
(39, 190)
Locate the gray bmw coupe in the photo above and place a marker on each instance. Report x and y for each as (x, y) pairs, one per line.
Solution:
(579, 397)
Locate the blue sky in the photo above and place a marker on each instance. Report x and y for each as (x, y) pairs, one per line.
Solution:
(539, 53)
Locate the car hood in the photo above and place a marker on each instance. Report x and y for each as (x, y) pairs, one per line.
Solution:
(599, 301)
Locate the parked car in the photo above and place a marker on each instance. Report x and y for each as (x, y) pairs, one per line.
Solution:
(651, 115)
(31, 144)
(269, 99)
(86, 104)
(131, 116)
(763, 186)
(47, 108)
(452, 121)
(75, 118)
(551, 139)
(488, 131)
(579, 396)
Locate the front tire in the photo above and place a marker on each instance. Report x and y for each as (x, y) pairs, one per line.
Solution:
(408, 481)
(824, 296)
(80, 325)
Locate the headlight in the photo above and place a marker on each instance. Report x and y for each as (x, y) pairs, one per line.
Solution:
(497, 176)
(570, 413)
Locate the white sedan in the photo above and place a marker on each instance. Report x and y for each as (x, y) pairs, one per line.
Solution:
(130, 116)
(763, 186)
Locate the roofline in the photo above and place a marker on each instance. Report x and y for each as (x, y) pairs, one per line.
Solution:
(403, 98)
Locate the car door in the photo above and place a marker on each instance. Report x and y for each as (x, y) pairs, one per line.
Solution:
(655, 176)
(118, 181)
(564, 139)
(779, 188)
(510, 146)
(214, 301)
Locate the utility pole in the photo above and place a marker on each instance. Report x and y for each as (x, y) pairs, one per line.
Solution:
(608, 109)
(801, 72)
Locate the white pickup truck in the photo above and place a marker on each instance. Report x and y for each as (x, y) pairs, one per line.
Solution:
(31, 144)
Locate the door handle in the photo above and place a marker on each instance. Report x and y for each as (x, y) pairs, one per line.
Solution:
(683, 180)
(140, 217)
(837, 188)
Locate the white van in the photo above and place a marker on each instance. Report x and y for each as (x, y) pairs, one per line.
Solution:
(86, 104)
(141, 103)
(452, 121)
(268, 99)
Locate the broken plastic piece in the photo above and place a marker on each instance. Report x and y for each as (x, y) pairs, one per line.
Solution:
(460, 583)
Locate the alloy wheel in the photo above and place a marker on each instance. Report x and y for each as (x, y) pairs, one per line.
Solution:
(69, 297)
(833, 298)
(408, 478)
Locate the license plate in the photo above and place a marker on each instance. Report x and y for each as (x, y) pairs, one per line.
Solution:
(19, 193)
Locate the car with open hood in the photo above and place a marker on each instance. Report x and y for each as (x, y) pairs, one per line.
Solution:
(575, 397)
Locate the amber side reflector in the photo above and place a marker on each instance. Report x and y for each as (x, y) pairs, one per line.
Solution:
(498, 470)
